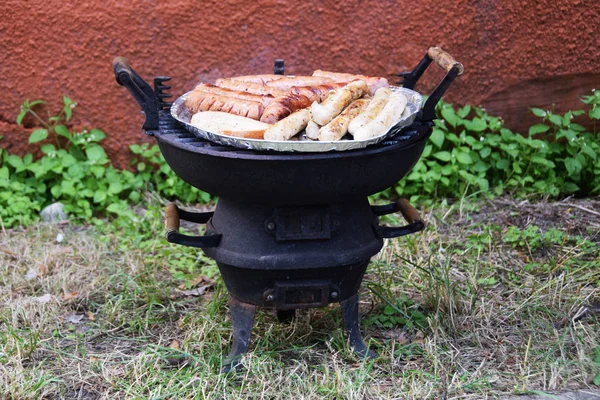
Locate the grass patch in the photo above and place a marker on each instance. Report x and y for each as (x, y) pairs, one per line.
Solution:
(493, 298)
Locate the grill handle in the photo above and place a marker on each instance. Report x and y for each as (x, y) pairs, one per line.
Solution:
(453, 69)
(410, 214)
(172, 217)
(139, 89)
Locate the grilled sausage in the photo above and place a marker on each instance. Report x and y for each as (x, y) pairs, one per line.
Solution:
(265, 100)
(202, 101)
(317, 93)
(338, 127)
(389, 115)
(374, 83)
(289, 126)
(283, 106)
(370, 112)
(312, 130)
(262, 79)
(286, 83)
(336, 102)
(250, 87)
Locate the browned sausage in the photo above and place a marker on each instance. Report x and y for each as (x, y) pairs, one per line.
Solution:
(374, 83)
(265, 100)
(201, 101)
(286, 83)
(249, 87)
(284, 106)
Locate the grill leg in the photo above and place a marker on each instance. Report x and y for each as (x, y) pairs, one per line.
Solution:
(242, 317)
(352, 328)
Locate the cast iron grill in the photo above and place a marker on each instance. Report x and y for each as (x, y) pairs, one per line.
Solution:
(290, 230)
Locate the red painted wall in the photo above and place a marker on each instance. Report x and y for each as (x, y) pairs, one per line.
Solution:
(516, 53)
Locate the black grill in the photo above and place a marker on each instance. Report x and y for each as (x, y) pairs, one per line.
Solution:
(290, 230)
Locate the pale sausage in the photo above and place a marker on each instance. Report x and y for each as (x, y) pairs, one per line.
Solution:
(370, 112)
(333, 105)
(289, 126)
(338, 127)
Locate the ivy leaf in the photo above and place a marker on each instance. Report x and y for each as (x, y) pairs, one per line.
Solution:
(97, 135)
(115, 187)
(538, 112)
(477, 125)
(555, 119)
(502, 164)
(570, 187)
(38, 135)
(95, 153)
(21, 115)
(589, 151)
(486, 151)
(437, 137)
(538, 128)
(573, 166)
(464, 158)
(14, 161)
(443, 155)
(63, 131)
(99, 196)
(68, 108)
(449, 115)
(463, 112)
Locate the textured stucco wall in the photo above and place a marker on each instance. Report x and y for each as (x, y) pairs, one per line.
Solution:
(516, 53)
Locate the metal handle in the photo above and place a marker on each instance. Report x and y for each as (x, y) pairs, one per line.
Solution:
(453, 69)
(278, 66)
(410, 214)
(139, 89)
(172, 218)
(444, 60)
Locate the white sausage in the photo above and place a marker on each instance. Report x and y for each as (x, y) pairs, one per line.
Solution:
(389, 115)
(335, 103)
(289, 126)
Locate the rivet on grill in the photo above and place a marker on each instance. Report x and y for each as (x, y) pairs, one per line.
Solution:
(271, 226)
(270, 297)
(334, 295)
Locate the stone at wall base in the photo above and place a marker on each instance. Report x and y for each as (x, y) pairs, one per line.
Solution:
(53, 213)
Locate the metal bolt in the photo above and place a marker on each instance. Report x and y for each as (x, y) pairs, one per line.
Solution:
(334, 295)
(270, 297)
(271, 226)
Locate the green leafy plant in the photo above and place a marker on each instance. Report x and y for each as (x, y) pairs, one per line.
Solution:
(471, 152)
(75, 170)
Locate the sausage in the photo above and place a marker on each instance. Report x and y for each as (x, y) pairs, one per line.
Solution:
(374, 83)
(286, 83)
(249, 87)
(265, 100)
(289, 126)
(336, 102)
(389, 115)
(370, 112)
(338, 127)
(312, 130)
(262, 79)
(283, 106)
(202, 101)
(317, 93)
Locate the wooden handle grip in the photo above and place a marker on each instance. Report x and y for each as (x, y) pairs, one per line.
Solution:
(409, 213)
(171, 218)
(444, 60)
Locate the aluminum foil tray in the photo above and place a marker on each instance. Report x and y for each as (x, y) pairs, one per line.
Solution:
(300, 143)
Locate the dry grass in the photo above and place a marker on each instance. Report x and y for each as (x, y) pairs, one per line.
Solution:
(101, 316)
